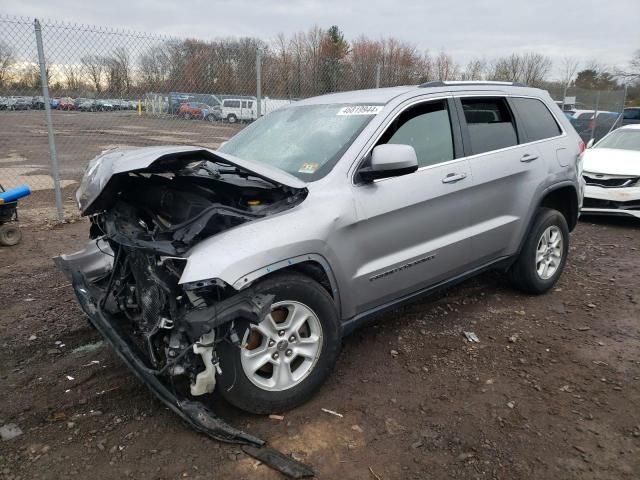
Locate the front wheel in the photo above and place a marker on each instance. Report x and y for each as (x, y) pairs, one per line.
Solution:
(544, 253)
(289, 354)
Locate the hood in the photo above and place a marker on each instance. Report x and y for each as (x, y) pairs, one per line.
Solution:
(611, 161)
(102, 168)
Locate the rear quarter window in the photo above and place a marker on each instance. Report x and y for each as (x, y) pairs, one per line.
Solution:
(536, 119)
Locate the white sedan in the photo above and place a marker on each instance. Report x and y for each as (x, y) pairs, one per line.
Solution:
(611, 170)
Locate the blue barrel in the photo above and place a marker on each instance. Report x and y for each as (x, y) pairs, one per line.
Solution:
(14, 194)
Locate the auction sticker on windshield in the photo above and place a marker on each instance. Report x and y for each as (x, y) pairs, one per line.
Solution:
(360, 110)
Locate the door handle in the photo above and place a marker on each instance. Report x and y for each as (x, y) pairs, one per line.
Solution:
(526, 158)
(454, 177)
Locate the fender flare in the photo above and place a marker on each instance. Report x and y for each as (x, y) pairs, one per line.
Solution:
(249, 278)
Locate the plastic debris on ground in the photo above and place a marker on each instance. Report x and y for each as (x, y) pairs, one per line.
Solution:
(471, 337)
(10, 431)
(331, 412)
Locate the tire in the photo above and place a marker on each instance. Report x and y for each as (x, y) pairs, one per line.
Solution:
(293, 293)
(211, 117)
(528, 272)
(187, 116)
(10, 235)
(232, 118)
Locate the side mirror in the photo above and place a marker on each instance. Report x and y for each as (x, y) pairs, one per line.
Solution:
(390, 160)
(590, 143)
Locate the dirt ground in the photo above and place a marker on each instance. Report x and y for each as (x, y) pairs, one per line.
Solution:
(551, 391)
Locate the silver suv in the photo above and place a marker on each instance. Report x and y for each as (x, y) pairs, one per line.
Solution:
(244, 267)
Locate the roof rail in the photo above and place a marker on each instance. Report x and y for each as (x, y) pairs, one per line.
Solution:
(441, 83)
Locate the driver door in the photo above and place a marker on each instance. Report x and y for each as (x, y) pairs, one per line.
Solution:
(412, 229)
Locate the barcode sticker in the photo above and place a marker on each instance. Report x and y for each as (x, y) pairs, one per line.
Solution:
(360, 110)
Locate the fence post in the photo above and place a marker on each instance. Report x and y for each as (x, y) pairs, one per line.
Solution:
(595, 116)
(378, 75)
(259, 82)
(55, 171)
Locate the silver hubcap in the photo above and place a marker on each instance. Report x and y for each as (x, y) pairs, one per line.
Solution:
(283, 348)
(549, 252)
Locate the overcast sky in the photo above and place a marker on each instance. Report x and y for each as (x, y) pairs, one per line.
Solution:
(605, 31)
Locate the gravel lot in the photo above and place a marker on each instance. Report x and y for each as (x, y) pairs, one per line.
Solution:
(551, 391)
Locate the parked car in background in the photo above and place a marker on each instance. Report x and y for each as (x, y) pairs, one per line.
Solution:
(584, 121)
(245, 266)
(631, 116)
(4, 103)
(190, 110)
(611, 170)
(19, 103)
(38, 103)
(104, 105)
(86, 105)
(66, 103)
(234, 109)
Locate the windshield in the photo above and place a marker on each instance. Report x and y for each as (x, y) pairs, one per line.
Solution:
(305, 141)
(626, 139)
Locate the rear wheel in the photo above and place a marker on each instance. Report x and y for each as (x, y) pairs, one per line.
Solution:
(9, 234)
(544, 254)
(289, 354)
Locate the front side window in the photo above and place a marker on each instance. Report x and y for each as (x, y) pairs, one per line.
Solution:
(427, 128)
(536, 119)
(490, 124)
(305, 141)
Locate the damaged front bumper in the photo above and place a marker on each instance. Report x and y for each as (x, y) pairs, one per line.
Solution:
(87, 267)
(621, 201)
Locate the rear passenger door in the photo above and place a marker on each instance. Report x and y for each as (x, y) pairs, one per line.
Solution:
(506, 173)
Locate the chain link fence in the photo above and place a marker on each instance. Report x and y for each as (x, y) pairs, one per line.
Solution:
(110, 88)
(593, 113)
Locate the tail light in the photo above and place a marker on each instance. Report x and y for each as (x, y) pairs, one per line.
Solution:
(581, 146)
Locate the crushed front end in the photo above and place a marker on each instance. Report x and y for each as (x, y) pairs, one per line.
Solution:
(127, 279)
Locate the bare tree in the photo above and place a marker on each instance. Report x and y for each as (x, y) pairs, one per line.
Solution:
(155, 67)
(474, 70)
(633, 71)
(94, 67)
(72, 77)
(445, 67)
(529, 68)
(7, 60)
(118, 71)
(569, 67)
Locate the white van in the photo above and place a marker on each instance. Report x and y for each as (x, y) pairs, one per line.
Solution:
(236, 109)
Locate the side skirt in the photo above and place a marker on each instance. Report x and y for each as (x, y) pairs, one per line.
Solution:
(369, 316)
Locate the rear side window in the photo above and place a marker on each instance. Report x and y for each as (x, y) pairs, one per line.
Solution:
(427, 128)
(536, 119)
(490, 123)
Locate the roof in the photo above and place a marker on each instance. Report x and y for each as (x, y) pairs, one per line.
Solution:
(385, 95)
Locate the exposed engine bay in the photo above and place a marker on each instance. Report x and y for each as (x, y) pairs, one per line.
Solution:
(127, 279)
